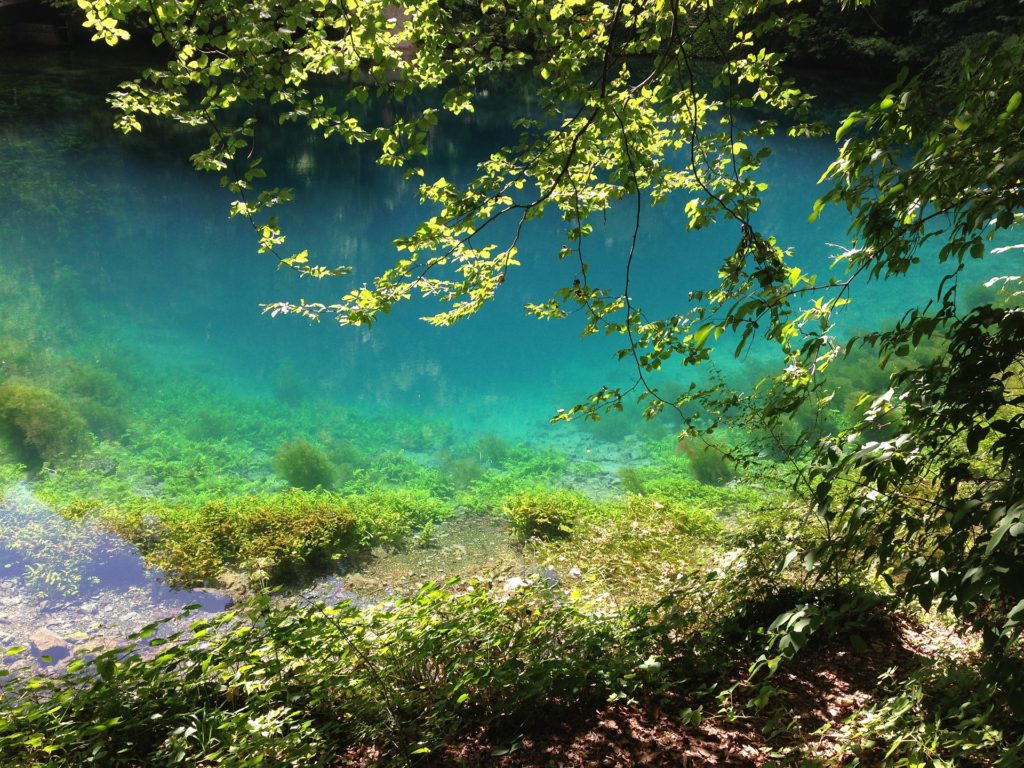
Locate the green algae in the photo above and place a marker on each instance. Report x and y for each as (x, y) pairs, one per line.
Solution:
(41, 426)
(302, 465)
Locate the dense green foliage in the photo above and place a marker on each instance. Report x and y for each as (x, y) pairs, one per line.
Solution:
(406, 681)
(296, 685)
(273, 538)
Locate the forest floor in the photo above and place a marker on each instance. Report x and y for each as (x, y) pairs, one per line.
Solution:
(815, 704)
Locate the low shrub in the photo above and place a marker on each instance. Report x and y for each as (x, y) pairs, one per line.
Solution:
(292, 686)
(10, 474)
(415, 681)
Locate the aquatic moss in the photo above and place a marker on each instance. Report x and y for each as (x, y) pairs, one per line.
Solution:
(632, 548)
(492, 449)
(273, 538)
(103, 420)
(302, 465)
(671, 481)
(461, 471)
(396, 469)
(524, 470)
(93, 383)
(631, 480)
(389, 518)
(546, 514)
(43, 426)
(707, 461)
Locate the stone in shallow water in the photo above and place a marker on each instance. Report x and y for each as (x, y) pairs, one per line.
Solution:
(46, 642)
(512, 584)
(357, 582)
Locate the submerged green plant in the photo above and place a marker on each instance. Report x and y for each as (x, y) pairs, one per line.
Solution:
(707, 461)
(390, 517)
(632, 548)
(41, 425)
(545, 514)
(271, 538)
(492, 449)
(461, 471)
(302, 465)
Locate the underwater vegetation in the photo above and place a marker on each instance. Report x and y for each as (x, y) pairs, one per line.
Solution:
(391, 469)
(845, 391)
(610, 428)
(389, 518)
(271, 538)
(289, 385)
(615, 426)
(706, 460)
(672, 480)
(266, 539)
(647, 585)
(463, 471)
(54, 557)
(345, 458)
(546, 514)
(40, 425)
(491, 449)
(98, 395)
(302, 465)
(185, 469)
(628, 545)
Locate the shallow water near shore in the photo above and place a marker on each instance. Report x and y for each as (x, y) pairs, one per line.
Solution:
(115, 593)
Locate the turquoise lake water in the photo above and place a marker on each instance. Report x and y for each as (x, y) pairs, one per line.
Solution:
(131, 251)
